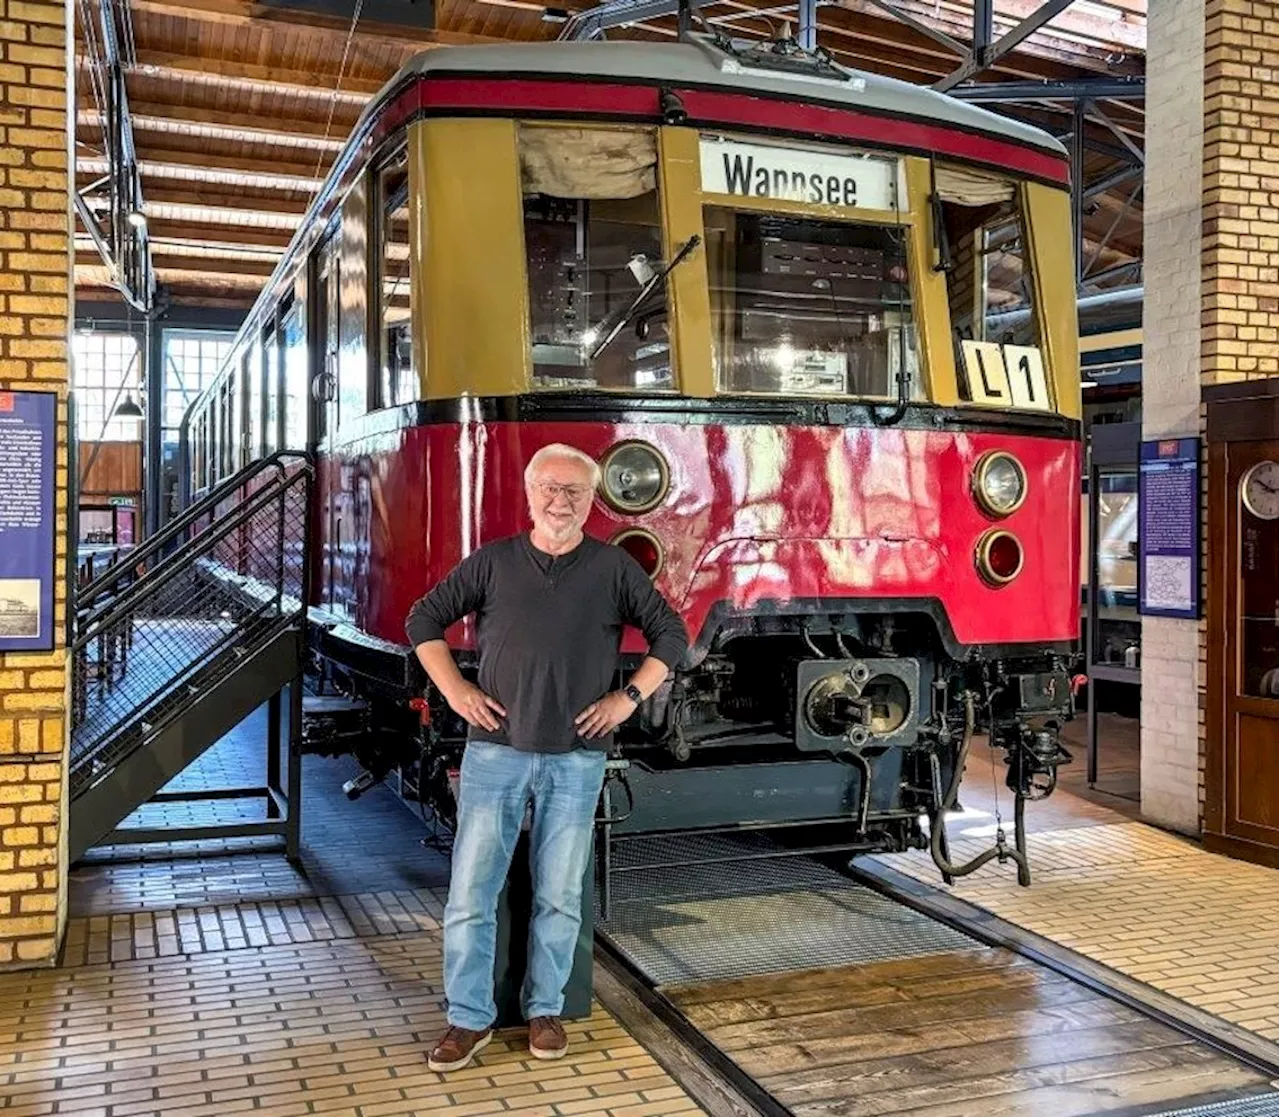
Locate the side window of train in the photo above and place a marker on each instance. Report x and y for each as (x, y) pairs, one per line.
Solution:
(593, 247)
(991, 297)
(324, 390)
(293, 342)
(396, 381)
(251, 405)
(270, 391)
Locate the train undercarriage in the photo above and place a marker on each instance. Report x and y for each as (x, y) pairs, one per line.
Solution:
(863, 721)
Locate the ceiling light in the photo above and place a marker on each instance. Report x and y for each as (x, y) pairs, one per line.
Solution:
(127, 409)
(137, 219)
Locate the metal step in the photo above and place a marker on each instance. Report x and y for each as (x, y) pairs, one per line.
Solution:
(209, 715)
(683, 911)
(1263, 1105)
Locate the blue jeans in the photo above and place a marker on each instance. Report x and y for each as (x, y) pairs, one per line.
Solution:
(497, 784)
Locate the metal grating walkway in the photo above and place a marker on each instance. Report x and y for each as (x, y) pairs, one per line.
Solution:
(712, 908)
(1264, 1105)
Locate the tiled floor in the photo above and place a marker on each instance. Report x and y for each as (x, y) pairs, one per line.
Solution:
(1153, 906)
(324, 1027)
(224, 980)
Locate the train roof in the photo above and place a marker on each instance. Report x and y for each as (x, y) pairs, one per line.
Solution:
(700, 62)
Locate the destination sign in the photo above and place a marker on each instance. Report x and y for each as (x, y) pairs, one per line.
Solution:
(798, 174)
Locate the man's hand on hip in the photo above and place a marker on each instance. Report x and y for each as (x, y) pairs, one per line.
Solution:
(475, 707)
(604, 716)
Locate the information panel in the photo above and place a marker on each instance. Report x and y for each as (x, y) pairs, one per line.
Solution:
(1169, 528)
(28, 454)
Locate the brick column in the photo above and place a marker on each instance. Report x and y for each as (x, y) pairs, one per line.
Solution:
(1210, 244)
(34, 263)
(1171, 380)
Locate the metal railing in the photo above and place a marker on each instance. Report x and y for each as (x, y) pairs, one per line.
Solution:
(185, 609)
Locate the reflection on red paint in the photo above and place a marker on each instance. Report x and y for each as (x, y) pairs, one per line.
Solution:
(754, 514)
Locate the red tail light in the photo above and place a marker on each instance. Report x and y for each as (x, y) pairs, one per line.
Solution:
(999, 557)
(642, 546)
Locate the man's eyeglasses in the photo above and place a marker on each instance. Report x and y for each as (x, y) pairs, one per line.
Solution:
(575, 494)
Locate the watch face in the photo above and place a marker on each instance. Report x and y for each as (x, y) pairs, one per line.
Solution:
(1260, 490)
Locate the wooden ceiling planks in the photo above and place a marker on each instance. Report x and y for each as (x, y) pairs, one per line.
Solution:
(236, 105)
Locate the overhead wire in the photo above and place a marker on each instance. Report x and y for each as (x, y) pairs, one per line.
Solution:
(342, 73)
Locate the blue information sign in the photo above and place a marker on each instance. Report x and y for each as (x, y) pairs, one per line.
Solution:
(28, 455)
(1169, 528)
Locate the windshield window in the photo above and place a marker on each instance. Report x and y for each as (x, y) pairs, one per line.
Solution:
(808, 307)
(593, 241)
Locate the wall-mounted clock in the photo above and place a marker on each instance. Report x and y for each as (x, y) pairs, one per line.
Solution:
(1260, 490)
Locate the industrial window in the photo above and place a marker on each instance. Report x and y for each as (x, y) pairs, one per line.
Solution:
(397, 382)
(191, 361)
(108, 366)
(808, 307)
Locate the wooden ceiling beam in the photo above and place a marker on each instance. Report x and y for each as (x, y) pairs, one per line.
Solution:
(217, 162)
(250, 127)
(219, 236)
(309, 82)
(246, 13)
(217, 265)
(232, 200)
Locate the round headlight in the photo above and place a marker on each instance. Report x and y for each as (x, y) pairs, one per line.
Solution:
(999, 557)
(633, 477)
(643, 546)
(999, 483)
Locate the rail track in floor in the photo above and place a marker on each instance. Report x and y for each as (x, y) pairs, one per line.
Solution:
(786, 983)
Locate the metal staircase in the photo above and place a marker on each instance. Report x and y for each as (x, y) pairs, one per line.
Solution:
(182, 639)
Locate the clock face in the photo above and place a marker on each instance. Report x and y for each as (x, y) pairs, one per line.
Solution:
(1260, 490)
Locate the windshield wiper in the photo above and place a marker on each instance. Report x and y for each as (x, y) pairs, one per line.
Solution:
(615, 323)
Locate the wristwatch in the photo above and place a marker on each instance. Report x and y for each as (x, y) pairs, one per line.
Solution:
(633, 692)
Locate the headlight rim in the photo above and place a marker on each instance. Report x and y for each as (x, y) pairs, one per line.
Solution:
(982, 558)
(611, 501)
(643, 532)
(978, 490)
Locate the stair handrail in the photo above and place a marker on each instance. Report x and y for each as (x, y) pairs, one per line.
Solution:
(160, 576)
(186, 518)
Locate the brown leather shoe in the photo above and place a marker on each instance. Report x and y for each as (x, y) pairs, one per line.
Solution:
(547, 1039)
(457, 1048)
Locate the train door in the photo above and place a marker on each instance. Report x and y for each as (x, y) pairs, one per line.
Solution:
(324, 411)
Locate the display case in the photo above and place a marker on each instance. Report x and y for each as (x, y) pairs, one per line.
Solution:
(1112, 627)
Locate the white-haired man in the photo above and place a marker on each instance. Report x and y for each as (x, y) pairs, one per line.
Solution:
(550, 607)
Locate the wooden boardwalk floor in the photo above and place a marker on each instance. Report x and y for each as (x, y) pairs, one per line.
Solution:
(974, 1033)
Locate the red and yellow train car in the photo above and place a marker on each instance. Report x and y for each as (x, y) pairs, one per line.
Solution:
(817, 326)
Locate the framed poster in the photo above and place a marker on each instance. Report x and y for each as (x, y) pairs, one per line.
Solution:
(28, 457)
(1169, 528)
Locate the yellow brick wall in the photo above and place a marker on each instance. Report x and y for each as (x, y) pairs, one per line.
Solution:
(33, 330)
(1240, 249)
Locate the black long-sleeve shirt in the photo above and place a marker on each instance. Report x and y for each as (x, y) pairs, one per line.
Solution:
(548, 629)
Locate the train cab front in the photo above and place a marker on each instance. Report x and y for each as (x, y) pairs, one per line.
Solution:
(832, 387)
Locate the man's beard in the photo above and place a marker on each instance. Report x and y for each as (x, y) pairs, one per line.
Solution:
(558, 532)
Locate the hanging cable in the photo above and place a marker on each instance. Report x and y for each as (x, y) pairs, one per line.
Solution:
(342, 73)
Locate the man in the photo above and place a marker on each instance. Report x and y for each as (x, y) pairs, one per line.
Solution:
(550, 608)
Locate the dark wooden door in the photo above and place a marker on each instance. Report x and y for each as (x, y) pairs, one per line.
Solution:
(1243, 714)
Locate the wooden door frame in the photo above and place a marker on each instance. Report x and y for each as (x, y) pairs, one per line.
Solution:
(1239, 412)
